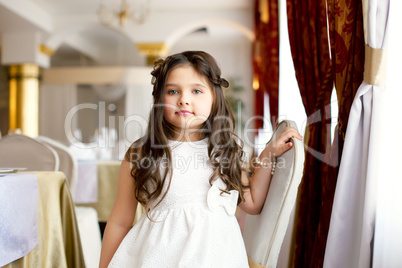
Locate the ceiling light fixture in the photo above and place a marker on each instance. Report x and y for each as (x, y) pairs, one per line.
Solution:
(136, 13)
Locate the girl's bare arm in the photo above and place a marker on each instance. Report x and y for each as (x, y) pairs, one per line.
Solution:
(254, 197)
(122, 217)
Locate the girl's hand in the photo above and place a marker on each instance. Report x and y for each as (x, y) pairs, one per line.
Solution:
(282, 143)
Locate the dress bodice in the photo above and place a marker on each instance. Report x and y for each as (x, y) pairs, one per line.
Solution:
(191, 173)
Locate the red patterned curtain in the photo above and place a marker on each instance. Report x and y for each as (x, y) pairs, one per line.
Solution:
(347, 50)
(308, 36)
(266, 57)
(316, 72)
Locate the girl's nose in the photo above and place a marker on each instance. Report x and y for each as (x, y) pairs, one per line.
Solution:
(184, 100)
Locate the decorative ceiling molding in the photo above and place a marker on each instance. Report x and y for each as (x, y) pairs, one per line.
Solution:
(46, 50)
(153, 49)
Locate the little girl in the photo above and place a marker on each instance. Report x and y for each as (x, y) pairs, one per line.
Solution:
(187, 173)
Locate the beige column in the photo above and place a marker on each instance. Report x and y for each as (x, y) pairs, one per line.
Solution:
(24, 98)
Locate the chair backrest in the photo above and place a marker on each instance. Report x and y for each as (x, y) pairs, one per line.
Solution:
(17, 150)
(68, 163)
(264, 233)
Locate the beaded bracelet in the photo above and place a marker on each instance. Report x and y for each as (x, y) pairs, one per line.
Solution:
(273, 163)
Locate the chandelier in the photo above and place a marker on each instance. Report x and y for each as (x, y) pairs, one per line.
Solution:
(136, 14)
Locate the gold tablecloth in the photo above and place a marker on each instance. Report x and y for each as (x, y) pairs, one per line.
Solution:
(58, 237)
(108, 176)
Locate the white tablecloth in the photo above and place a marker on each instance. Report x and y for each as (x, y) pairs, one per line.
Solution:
(87, 183)
(18, 216)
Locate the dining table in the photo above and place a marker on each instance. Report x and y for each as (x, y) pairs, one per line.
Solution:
(97, 187)
(38, 225)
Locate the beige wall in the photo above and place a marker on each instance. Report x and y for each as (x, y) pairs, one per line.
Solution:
(88, 119)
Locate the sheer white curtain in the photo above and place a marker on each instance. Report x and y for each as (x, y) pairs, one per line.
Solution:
(56, 100)
(359, 227)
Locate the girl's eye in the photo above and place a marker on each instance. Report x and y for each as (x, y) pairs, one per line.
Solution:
(197, 91)
(172, 92)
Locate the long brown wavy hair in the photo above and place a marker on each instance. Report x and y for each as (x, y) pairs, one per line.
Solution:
(149, 152)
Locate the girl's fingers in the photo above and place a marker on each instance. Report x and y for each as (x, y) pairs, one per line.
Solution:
(283, 142)
(287, 146)
(291, 132)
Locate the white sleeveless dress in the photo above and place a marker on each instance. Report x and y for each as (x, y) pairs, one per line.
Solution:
(195, 225)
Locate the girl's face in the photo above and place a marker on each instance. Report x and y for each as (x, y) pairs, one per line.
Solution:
(188, 99)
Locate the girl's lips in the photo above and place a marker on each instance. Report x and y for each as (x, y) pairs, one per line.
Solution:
(184, 112)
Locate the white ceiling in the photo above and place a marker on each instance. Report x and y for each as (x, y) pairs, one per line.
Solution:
(59, 7)
(72, 28)
(10, 22)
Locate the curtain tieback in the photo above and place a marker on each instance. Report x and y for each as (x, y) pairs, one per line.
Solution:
(375, 66)
(253, 264)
